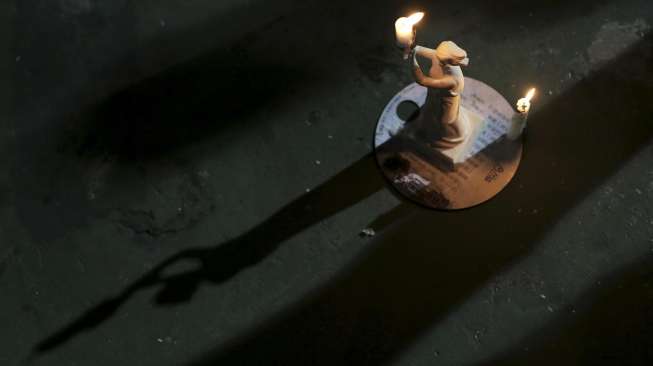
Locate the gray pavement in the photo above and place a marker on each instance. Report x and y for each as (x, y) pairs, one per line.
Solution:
(184, 183)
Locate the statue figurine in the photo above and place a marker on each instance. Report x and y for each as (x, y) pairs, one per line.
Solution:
(445, 124)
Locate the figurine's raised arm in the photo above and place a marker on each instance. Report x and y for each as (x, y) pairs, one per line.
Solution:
(446, 82)
(425, 52)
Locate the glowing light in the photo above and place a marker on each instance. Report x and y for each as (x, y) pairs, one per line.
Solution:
(530, 95)
(415, 18)
(405, 29)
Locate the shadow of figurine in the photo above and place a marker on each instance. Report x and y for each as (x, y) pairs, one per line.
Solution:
(214, 265)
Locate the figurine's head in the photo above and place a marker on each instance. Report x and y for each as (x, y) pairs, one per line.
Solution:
(449, 53)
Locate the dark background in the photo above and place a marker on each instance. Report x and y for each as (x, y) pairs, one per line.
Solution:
(184, 183)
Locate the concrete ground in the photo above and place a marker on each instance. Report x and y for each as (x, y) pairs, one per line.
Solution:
(184, 183)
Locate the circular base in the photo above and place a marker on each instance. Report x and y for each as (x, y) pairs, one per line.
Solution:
(427, 175)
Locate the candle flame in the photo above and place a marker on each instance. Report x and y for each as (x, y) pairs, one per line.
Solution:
(530, 95)
(415, 18)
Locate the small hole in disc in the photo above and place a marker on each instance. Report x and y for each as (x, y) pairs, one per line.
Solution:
(407, 110)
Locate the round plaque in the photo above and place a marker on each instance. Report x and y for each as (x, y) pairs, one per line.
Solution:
(429, 176)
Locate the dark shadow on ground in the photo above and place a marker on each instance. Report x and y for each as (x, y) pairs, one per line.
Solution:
(611, 325)
(420, 270)
(184, 104)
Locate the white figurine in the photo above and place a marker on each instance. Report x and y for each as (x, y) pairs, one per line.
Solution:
(445, 83)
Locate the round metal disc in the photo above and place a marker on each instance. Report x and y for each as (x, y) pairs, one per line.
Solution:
(419, 171)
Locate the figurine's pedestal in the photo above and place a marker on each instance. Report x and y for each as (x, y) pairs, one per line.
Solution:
(461, 177)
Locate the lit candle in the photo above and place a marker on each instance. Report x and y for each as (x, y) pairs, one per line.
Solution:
(519, 121)
(405, 31)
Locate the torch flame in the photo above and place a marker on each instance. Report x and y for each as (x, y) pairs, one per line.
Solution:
(405, 32)
(415, 18)
(530, 95)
